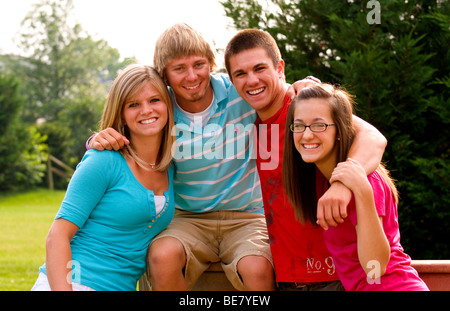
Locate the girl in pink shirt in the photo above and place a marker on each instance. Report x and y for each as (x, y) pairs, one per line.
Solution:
(366, 247)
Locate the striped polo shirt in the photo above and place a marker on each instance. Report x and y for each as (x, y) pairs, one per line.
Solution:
(215, 163)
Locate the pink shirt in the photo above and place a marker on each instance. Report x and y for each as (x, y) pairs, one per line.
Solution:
(342, 244)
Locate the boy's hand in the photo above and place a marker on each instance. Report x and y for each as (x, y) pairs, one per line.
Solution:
(332, 206)
(295, 88)
(108, 139)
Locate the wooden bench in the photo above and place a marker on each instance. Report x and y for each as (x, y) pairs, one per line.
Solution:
(435, 273)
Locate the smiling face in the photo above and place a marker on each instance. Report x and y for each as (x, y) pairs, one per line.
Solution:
(258, 81)
(145, 113)
(318, 148)
(189, 77)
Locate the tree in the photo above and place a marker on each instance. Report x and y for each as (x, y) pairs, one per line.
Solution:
(62, 58)
(21, 149)
(398, 67)
(66, 75)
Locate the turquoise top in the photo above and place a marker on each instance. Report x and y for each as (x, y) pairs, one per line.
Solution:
(117, 219)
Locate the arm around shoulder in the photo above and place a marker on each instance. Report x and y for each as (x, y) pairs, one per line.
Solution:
(368, 146)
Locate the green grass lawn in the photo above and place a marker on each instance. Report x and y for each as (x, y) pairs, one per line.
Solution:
(25, 219)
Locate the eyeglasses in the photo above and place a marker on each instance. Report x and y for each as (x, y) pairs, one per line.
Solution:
(315, 127)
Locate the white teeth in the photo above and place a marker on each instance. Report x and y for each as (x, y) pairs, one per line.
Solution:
(255, 92)
(148, 121)
(310, 146)
(192, 87)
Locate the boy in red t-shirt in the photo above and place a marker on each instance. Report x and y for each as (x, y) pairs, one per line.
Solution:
(300, 256)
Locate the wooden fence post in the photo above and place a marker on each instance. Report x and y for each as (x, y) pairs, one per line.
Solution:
(66, 173)
(51, 184)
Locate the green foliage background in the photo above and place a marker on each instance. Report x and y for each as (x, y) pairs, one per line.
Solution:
(399, 71)
(62, 81)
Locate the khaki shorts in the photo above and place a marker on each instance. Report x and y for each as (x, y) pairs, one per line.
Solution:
(224, 236)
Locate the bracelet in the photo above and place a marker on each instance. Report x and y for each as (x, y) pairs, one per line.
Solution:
(87, 142)
(314, 79)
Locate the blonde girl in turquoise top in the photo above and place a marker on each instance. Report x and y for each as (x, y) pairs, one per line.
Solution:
(117, 201)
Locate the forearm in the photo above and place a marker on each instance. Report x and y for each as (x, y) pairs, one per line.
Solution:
(372, 242)
(58, 256)
(368, 146)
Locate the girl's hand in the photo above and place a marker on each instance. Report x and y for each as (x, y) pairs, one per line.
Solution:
(350, 173)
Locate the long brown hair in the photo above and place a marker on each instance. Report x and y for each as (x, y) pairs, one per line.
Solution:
(299, 177)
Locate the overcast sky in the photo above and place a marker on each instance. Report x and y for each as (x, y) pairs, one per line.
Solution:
(131, 26)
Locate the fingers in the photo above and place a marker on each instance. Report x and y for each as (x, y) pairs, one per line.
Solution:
(110, 142)
(291, 92)
(109, 139)
(321, 218)
(295, 88)
(96, 146)
(343, 211)
(330, 213)
(332, 206)
(351, 173)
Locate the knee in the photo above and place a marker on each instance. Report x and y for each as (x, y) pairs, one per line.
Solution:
(258, 267)
(166, 251)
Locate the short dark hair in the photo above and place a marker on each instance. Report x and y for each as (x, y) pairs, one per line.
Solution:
(249, 39)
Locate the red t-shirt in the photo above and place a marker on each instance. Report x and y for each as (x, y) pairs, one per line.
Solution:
(299, 252)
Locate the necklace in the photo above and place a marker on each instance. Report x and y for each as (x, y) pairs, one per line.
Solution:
(152, 165)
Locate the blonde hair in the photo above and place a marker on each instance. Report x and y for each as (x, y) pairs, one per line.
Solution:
(298, 176)
(127, 84)
(178, 41)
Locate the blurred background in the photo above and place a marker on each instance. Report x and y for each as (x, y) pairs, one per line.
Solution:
(58, 58)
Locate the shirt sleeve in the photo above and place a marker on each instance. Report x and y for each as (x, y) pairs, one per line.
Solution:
(378, 186)
(87, 186)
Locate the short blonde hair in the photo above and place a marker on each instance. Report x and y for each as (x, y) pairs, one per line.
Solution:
(178, 41)
(127, 84)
